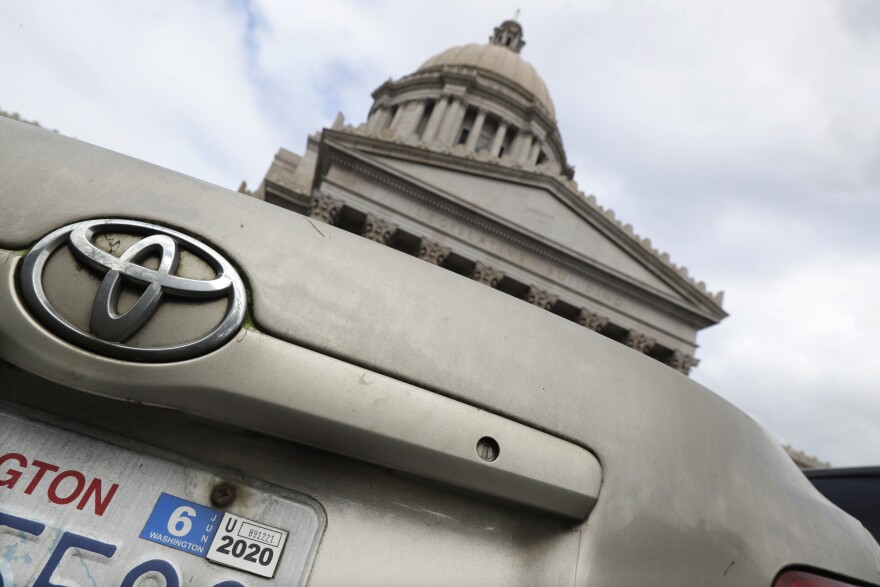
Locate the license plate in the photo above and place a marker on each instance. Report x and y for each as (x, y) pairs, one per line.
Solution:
(75, 510)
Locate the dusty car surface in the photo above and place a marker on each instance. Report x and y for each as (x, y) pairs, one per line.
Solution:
(200, 387)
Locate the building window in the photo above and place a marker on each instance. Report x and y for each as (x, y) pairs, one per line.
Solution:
(508, 140)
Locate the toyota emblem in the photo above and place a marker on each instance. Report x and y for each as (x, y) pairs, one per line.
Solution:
(109, 329)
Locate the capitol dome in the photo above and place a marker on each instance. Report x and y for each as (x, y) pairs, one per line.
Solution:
(498, 59)
(476, 100)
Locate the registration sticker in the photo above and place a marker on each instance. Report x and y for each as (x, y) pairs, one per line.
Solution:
(182, 524)
(220, 537)
(248, 546)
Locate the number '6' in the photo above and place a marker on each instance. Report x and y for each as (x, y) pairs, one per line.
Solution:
(180, 523)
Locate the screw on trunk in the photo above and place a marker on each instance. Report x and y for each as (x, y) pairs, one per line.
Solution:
(223, 494)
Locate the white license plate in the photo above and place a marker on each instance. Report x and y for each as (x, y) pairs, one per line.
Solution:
(79, 511)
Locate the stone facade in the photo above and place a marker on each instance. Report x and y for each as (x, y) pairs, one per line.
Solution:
(461, 164)
(805, 461)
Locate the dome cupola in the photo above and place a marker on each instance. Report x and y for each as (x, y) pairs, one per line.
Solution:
(509, 35)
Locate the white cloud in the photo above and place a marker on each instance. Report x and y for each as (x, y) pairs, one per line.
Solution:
(797, 354)
(168, 86)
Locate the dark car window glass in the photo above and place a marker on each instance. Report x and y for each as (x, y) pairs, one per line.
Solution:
(857, 496)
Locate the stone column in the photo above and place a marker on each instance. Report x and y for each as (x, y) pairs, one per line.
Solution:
(398, 114)
(325, 209)
(432, 252)
(434, 120)
(373, 120)
(498, 141)
(536, 150)
(378, 230)
(486, 274)
(475, 130)
(410, 119)
(378, 118)
(639, 341)
(540, 298)
(591, 320)
(452, 121)
(521, 146)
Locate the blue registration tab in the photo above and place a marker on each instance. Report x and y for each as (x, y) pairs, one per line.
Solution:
(181, 524)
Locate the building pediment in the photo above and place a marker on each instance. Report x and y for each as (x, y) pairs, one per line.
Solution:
(540, 213)
(539, 208)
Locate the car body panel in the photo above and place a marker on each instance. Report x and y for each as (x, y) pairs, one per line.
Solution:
(694, 492)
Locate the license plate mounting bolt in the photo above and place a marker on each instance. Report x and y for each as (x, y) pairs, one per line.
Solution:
(223, 494)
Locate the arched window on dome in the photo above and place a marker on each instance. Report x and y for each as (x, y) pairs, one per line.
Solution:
(542, 157)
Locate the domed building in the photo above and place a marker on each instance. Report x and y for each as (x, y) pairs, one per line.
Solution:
(461, 163)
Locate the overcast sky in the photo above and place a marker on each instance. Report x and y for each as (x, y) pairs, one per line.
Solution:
(742, 137)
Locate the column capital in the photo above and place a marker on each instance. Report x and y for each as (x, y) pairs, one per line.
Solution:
(433, 252)
(376, 229)
(486, 274)
(682, 362)
(591, 320)
(325, 208)
(639, 341)
(540, 298)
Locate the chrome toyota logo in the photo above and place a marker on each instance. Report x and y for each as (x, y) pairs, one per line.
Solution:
(109, 329)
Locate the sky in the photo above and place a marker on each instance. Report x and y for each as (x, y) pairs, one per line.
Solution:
(741, 137)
